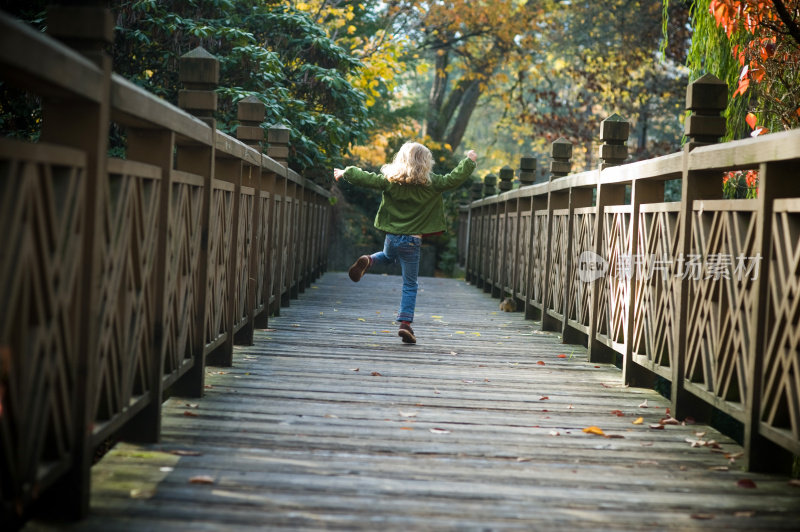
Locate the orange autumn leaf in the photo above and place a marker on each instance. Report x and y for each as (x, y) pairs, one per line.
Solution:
(542, 363)
(751, 120)
(638, 421)
(562, 356)
(594, 430)
(201, 479)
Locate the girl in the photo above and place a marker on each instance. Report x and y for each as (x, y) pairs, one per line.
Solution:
(411, 208)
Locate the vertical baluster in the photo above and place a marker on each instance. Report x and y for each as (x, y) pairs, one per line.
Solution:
(199, 72)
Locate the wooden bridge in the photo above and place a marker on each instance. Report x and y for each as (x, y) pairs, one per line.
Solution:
(127, 283)
(330, 421)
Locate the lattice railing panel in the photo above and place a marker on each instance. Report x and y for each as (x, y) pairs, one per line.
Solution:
(524, 255)
(583, 228)
(182, 283)
(558, 261)
(511, 260)
(275, 253)
(720, 301)
(129, 227)
(539, 255)
(220, 236)
(42, 205)
(262, 263)
(780, 397)
(655, 299)
(613, 292)
(244, 247)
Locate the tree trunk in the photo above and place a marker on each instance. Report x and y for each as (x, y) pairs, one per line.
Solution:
(468, 102)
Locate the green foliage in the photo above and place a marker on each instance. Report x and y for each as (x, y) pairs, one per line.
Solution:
(266, 49)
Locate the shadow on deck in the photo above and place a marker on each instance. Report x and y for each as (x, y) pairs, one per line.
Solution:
(329, 421)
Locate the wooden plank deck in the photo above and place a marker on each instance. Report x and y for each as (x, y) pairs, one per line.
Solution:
(329, 421)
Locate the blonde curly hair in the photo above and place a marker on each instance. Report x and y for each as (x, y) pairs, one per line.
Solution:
(411, 165)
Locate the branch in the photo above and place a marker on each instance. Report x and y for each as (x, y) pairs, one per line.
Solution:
(786, 18)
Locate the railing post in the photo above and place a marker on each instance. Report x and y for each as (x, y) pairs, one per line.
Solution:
(278, 138)
(560, 199)
(706, 98)
(489, 183)
(199, 72)
(614, 133)
(561, 154)
(527, 171)
(89, 28)
(250, 112)
(504, 213)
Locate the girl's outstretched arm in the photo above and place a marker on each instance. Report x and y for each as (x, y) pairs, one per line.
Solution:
(357, 176)
(460, 174)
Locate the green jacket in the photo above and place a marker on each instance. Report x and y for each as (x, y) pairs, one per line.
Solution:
(411, 209)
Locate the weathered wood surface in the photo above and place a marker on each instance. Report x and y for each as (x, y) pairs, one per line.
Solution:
(457, 432)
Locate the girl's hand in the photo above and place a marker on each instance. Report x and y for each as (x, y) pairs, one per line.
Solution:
(472, 155)
(337, 173)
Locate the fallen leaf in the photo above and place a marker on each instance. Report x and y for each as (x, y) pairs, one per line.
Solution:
(386, 331)
(638, 421)
(354, 369)
(745, 483)
(182, 452)
(332, 416)
(436, 317)
(562, 356)
(208, 386)
(657, 426)
(734, 456)
(190, 414)
(794, 483)
(361, 319)
(435, 390)
(295, 325)
(522, 459)
(460, 332)
(594, 430)
(544, 398)
(467, 381)
(646, 444)
(201, 479)
(192, 405)
(682, 468)
(647, 462)
(453, 353)
(718, 468)
(376, 374)
(570, 407)
(554, 433)
(408, 414)
(617, 413)
(614, 436)
(406, 428)
(700, 434)
(643, 405)
(597, 366)
(439, 431)
(476, 333)
(747, 513)
(702, 516)
(669, 421)
(541, 363)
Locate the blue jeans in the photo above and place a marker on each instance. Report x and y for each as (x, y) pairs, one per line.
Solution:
(406, 249)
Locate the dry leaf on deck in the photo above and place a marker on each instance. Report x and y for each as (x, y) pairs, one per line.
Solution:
(745, 483)
(657, 426)
(376, 374)
(702, 516)
(594, 430)
(182, 452)
(353, 369)
(638, 421)
(541, 363)
(544, 398)
(795, 483)
(746, 513)
(562, 356)
(644, 404)
(201, 479)
(439, 431)
(718, 468)
(408, 414)
(617, 413)
(190, 414)
(554, 433)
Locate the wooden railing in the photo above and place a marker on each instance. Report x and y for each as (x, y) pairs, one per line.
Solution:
(704, 292)
(122, 278)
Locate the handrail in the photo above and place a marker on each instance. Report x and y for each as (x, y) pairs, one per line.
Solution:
(123, 278)
(729, 345)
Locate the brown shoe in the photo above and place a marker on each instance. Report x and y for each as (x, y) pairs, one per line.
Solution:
(407, 333)
(359, 268)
